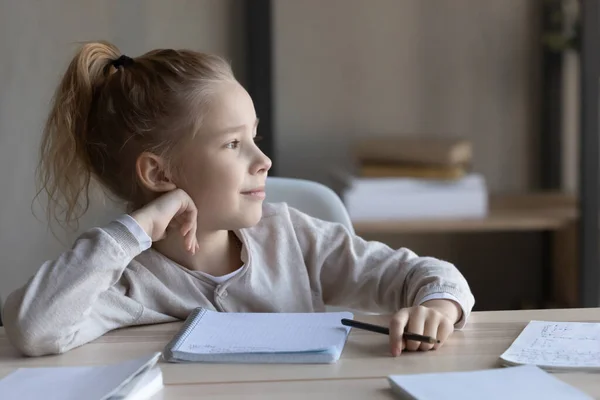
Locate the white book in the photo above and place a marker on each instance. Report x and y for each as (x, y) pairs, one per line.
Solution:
(211, 336)
(514, 383)
(418, 206)
(557, 346)
(137, 379)
(471, 182)
(381, 199)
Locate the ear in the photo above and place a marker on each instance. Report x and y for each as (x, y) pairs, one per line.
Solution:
(152, 172)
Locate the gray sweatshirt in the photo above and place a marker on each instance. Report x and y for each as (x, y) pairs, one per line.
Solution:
(111, 279)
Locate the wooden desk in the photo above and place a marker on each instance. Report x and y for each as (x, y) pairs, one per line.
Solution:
(360, 374)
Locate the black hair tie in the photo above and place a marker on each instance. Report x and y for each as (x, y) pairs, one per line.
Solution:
(122, 61)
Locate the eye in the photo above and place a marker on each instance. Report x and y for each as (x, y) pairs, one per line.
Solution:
(233, 144)
(257, 139)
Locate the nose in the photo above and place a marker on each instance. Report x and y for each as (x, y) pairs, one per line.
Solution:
(261, 165)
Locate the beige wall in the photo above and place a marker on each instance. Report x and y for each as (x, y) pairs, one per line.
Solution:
(37, 39)
(349, 68)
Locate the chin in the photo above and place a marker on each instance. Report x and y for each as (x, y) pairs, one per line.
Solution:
(250, 217)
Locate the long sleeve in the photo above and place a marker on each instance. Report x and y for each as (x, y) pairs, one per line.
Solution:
(351, 272)
(73, 299)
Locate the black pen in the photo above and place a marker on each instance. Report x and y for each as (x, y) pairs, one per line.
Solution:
(386, 331)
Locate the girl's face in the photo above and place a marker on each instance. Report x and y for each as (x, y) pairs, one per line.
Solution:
(222, 169)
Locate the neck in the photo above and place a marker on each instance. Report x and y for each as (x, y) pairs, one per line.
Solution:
(218, 253)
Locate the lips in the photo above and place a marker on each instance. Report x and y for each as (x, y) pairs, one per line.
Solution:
(258, 192)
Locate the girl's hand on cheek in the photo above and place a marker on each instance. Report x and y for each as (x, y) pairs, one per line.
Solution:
(174, 209)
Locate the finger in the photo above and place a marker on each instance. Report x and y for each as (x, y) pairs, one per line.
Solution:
(195, 245)
(185, 229)
(416, 324)
(431, 329)
(190, 239)
(193, 229)
(397, 325)
(190, 243)
(445, 329)
(189, 227)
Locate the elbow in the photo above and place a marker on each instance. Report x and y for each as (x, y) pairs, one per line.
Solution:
(31, 341)
(35, 348)
(31, 338)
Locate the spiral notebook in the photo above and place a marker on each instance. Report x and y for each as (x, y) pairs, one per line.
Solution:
(211, 336)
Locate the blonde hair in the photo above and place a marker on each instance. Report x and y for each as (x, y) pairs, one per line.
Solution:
(103, 117)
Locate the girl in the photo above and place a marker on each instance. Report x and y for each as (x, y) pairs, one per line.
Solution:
(173, 133)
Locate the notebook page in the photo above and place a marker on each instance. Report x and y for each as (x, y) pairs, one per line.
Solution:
(515, 383)
(557, 345)
(70, 383)
(146, 386)
(64, 383)
(218, 333)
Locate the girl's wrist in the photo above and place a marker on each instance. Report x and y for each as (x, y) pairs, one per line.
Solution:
(449, 308)
(143, 220)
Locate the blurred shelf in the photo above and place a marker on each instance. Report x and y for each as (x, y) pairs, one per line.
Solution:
(521, 212)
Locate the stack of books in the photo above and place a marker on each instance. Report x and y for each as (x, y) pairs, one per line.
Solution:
(437, 158)
(405, 178)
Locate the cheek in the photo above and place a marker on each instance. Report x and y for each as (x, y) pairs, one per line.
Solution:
(210, 185)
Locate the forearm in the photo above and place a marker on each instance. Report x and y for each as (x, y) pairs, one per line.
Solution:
(62, 294)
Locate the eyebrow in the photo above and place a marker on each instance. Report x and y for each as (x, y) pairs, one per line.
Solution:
(235, 129)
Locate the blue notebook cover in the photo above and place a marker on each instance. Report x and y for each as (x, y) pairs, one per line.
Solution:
(211, 336)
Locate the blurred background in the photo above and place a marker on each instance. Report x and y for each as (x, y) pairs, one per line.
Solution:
(462, 129)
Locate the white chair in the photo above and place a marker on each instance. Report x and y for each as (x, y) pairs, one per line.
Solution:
(312, 198)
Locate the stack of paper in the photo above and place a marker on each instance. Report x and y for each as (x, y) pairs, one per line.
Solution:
(514, 383)
(137, 379)
(558, 346)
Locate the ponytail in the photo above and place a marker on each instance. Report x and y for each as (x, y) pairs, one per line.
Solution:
(107, 110)
(64, 172)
